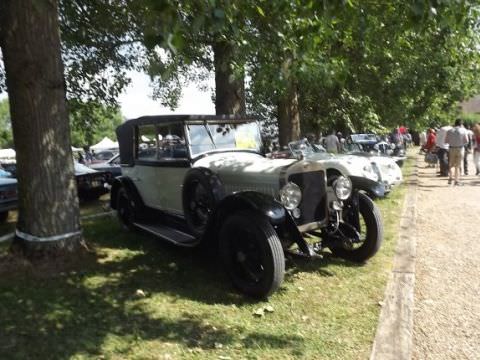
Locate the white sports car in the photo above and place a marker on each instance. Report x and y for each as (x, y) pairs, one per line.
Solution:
(373, 167)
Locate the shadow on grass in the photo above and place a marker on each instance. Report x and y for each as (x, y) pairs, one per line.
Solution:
(76, 311)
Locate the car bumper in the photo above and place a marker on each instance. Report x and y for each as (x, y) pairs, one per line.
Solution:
(8, 205)
(372, 188)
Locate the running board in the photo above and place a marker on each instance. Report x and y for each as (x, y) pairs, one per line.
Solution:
(172, 235)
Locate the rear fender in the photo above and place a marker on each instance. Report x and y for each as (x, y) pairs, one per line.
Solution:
(127, 183)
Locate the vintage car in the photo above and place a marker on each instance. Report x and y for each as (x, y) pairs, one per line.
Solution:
(388, 170)
(205, 180)
(363, 175)
(8, 197)
(371, 143)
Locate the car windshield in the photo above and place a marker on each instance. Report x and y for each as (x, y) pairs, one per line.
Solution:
(364, 137)
(220, 136)
(352, 147)
(304, 147)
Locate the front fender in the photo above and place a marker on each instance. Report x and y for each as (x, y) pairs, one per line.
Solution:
(251, 200)
(261, 204)
(374, 189)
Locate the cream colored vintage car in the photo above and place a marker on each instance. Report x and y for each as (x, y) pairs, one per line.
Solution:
(204, 179)
(372, 173)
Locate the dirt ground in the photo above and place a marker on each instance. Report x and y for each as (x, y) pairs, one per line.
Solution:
(447, 289)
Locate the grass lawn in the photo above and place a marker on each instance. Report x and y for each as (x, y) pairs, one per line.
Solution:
(140, 298)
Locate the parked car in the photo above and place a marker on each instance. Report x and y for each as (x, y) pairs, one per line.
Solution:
(370, 143)
(9, 166)
(388, 170)
(211, 184)
(360, 171)
(111, 167)
(8, 197)
(103, 156)
(91, 184)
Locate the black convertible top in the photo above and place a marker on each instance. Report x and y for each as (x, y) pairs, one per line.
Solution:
(126, 131)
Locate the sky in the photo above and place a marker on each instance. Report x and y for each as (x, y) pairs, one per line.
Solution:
(137, 101)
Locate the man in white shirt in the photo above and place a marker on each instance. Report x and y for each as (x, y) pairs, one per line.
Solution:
(442, 149)
(456, 138)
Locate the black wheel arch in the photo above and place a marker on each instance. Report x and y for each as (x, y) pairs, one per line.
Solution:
(258, 203)
(129, 186)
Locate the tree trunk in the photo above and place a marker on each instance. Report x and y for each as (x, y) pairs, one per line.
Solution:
(288, 116)
(229, 86)
(48, 220)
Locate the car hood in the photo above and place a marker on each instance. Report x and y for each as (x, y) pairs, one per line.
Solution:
(240, 163)
(243, 170)
(7, 181)
(81, 169)
(354, 164)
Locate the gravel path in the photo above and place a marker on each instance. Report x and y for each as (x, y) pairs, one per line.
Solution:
(447, 289)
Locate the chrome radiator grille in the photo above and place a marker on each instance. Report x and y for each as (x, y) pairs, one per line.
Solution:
(313, 206)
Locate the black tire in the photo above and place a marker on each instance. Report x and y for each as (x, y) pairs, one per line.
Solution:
(202, 191)
(252, 254)
(125, 211)
(373, 234)
(3, 216)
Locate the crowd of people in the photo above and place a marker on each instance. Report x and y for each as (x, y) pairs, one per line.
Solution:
(451, 147)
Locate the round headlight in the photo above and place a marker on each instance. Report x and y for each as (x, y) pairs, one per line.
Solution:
(290, 196)
(342, 187)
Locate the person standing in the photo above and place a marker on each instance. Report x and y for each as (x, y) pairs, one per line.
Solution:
(332, 144)
(457, 138)
(431, 141)
(476, 148)
(422, 137)
(88, 155)
(442, 149)
(468, 149)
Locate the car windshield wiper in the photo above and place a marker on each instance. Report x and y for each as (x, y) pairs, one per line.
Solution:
(210, 135)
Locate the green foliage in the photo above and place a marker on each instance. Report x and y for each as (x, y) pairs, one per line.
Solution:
(358, 65)
(367, 65)
(6, 137)
(92, 121)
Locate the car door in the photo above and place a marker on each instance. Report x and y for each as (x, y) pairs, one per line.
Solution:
(160, 165)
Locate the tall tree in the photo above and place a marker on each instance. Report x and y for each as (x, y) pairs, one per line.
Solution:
(48, 222)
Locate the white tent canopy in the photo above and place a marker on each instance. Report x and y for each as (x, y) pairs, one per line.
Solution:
(105, 144)
(7, 154)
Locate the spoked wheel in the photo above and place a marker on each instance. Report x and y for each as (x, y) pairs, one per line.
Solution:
(200, 204)
(124, 209)
(363, 235)
(202, 191)
(252, 254)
